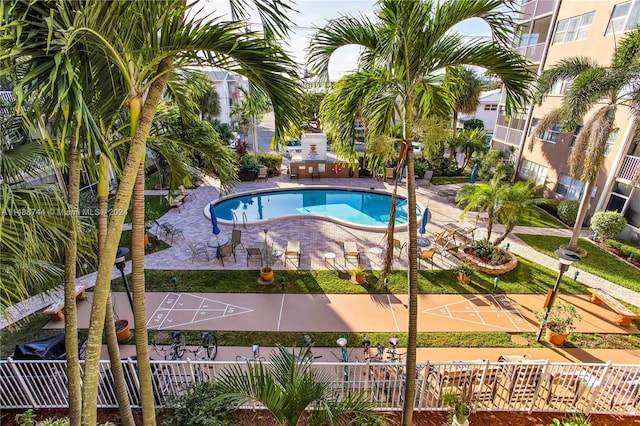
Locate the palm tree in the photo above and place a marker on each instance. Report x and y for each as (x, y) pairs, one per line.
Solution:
(289, 386)
(596, 93)
(404, 47)
(465, 87)
(143, 53)
(250, 110)
(483, 198)
(515, 197)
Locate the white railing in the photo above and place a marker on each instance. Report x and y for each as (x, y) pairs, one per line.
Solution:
(629, 167)
(529, 385)
(507, 134)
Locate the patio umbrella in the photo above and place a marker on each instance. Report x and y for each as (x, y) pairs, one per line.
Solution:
(474, 172)
(425, 219)
(214, 220)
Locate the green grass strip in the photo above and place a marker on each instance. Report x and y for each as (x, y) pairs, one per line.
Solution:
(599, 262)
(536, 217)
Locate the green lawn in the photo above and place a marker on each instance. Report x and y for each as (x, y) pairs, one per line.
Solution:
(534, 216)
(598, 261)
(527, 278)
(446, 180)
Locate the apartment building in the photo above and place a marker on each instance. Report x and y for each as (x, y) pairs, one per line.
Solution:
(228, 86)
(550, 30)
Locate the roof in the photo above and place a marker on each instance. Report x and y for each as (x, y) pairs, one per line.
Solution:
(221, 75)
(490, 97)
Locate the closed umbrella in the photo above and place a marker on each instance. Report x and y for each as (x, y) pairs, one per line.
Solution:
(474, 172)
(214, 220)
(425, 219)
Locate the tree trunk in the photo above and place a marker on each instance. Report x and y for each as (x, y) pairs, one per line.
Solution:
(388, 258)
(139, 303)
(490, 224)
(119, 384)
(501, 238)
(114, 231)
(70, 312)
(582, 213)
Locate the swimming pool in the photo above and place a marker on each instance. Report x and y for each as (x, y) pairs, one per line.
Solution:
(353, 207)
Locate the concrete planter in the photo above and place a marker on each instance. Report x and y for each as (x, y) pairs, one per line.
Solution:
(486, 267)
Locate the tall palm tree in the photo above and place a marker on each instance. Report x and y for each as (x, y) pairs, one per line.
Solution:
(596, 93)
(402, 49)
(289, 386)
(250, 110)
(143, 53)
(465, 87)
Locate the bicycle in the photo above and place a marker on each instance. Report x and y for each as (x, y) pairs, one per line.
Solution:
(209, 345)
(255, 348)
(177, 348)
(378, 357)
(307, 344)
(394, 356)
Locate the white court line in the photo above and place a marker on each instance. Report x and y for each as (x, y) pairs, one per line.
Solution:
(393, 314)
(157, 312)
(195, 314)
(280, 316)
(167, 319)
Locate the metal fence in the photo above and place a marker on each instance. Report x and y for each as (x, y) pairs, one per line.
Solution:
(510, 384)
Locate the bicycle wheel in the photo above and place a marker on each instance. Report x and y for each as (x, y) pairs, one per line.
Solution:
(171, 354)
(212, 347)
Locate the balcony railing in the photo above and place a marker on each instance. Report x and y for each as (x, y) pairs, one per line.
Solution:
(507, 135)
(514, 383)
(533, 52)
(629, 167)
(535, 8)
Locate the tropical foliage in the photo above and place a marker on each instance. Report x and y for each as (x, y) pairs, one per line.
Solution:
(289, 386)
(404, 49)
(607, 225)
(593, 99)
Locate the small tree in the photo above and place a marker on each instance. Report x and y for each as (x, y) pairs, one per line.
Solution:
(568, 211)
(607, 225)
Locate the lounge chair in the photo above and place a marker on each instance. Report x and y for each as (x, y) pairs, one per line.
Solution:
(292, 253)
(426, 256)
(263, 173)
(226, 250)
(351, 251)
(198, 249)
(175, 201)
(254, 254)
(186, 194)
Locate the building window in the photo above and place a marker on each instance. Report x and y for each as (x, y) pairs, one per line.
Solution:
(624, 17)
(551, 135)
(610, 141)
(533, 171)
(572, 29)
(575, 136)
(491, 107)
(571, 188)
(560, 87)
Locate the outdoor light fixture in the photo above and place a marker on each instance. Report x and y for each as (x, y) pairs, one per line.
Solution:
(282, 283)
(495, 284)
(342, 341)
(566, 258)
(120, 264)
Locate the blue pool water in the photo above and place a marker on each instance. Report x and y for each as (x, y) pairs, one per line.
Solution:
(355, 207)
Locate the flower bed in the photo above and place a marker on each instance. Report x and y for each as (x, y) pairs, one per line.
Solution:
(467, 255)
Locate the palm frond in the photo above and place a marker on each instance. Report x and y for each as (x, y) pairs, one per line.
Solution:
(547, 121)
(566, 69)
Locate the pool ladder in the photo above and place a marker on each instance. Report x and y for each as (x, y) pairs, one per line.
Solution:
(244, 219)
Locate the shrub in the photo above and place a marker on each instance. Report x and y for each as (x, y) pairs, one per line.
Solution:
(607, 224)
(482, 248)
(474, 123)
(568, 211)
(499, 257)
(625, 248)
(196, 407)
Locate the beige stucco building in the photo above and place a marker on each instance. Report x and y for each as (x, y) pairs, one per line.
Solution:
(551, 30)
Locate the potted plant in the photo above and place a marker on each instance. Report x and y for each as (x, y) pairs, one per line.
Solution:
(464, 272)
(459, 408)
(357, 274)
(560, 322)
(270, 256)
(123, 330)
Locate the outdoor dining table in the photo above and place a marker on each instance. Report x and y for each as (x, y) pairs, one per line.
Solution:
(217, 242)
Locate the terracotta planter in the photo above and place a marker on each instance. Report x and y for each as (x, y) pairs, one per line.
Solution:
(123, 331)
(359, 278)
(555, 339)
(266, 274)
(464, 278)
(146, 240)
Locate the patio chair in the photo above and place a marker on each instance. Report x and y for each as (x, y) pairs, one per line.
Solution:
(187, 194)
(198, 249)
(315, 173)
(172, 231)
(426, 179)
(399, 245)
(292, 253)
(263, 173)
(254, 254)
(236, 236)
(226, 250)
(175, 201)
(293, 173)
(351, 251)
(523, 378)
(426, 256)
(389, 173)
(621, 389)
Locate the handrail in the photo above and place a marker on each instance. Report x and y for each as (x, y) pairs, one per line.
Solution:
(602, 388)
(234, 218)
(244, 220)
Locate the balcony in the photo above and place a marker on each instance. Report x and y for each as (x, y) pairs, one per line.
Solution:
(507, 135)
(629, 168)
(535, 8)
(532, 52)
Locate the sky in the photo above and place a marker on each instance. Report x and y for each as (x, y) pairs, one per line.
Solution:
(316, 13)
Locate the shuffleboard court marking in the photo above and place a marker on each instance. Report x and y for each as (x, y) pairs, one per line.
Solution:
(203, 309)
(393, 313)
(500, 307)
(280, 315)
